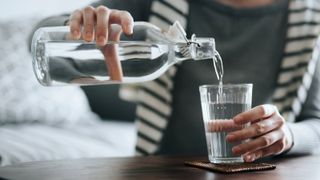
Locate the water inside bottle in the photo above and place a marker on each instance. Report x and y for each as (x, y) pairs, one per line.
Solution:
(84, 63)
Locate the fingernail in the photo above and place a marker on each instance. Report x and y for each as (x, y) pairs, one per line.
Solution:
(75, 32)
(88, 34)
(230, 137)
(248, 158)
(236, 118)
(236, 150)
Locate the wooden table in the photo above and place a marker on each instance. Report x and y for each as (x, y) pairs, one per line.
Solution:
(156, 167)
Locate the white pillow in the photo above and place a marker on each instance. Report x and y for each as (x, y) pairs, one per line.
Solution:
(22, 98)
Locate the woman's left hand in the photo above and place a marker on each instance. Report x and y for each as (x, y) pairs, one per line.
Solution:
(267, 133)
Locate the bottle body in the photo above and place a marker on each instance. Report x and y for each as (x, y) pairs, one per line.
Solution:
(141, 57)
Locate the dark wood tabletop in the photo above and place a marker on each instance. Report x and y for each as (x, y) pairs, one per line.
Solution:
(155, 167)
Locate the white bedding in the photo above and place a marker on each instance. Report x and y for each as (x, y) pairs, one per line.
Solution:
(38, 142)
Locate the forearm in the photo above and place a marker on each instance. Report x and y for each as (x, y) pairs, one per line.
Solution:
(306, 136)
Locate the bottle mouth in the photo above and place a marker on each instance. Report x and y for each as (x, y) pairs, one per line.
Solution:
(202, 41)
(202, 48)
(39, 60)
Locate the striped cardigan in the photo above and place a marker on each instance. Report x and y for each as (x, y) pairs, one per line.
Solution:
(297, 68)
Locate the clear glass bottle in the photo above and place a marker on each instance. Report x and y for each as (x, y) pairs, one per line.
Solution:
(143, 56)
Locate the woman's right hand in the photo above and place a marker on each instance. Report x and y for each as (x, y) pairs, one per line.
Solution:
(93, 23)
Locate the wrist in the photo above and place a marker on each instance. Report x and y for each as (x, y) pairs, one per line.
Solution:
(289, 142)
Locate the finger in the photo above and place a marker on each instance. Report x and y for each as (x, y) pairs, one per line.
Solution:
(114, 33)
(256, 129)
(102, 14)
(124, 19)
(258, 143)
(114, 64)
(259, 112)
(88, 23)
(75, 24)
(111, 54)
(226, 125)
(275, 148)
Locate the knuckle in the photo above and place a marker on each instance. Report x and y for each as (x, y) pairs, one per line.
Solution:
(261, 110)
(100, 27)
(101, 32)
(125, 13)
(88, 9)
(102, 10)
(265, 141)
(88, 25)
(88, 21)
(75, 15)
(76, 12)
(269, 109)
(281, 121)
(281, 146)
(128, 18)
(74, 18)
(74, 25)
(73, 22)
(259, 128)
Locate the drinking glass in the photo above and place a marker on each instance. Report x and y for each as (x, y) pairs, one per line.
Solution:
(219, 105)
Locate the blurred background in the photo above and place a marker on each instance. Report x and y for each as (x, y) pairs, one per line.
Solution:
(31, 12)
(12, 9)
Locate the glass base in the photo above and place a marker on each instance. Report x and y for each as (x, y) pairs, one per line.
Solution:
(226, 160)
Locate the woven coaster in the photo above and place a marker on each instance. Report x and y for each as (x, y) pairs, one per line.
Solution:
(231, 168)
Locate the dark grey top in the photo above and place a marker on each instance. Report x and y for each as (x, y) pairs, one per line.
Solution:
(251, 42)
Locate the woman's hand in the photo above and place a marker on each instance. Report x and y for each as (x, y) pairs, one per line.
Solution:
(93, 23)
(266, 134)
(98, 24)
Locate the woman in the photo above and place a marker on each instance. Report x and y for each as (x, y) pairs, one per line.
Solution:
(256, 39)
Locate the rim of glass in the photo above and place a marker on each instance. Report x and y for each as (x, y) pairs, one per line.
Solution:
(243, 85)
